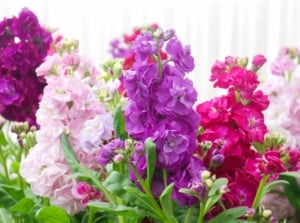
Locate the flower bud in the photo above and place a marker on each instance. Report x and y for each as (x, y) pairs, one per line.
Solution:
(266, 213)
(217, 160)
(242, 62)
(205, 174)
(258, 61)
(223, 189)
(208, 183)
(118, 158)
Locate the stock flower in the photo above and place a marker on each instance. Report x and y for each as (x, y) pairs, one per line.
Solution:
(107, 151)
(66, 105)
(86, 193)
(180, 55)
(23, 46)
(95, 131)
(175, 95)
(258, 61)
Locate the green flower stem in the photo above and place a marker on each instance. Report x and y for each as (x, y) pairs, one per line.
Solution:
(259, 194)
(91, 215)
(19, 159)
(201, 214)
(4, 165)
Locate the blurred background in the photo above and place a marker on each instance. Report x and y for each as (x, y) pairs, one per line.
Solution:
(213, 28)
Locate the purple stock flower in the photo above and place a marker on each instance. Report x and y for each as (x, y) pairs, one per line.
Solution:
(180, 55)
(186, 178)
(139, 83)
(108, 151)
(139, 121)
(175, 144)
(176, 96)
(144, 46)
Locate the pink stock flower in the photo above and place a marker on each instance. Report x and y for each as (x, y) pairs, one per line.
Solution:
(66, 105)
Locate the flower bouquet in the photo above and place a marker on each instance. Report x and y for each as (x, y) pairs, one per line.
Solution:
(128, 142)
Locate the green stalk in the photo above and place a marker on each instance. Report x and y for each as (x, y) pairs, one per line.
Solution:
(91, 215)
(18, 159)
(259, 194)
(4, 165)
(201, 214)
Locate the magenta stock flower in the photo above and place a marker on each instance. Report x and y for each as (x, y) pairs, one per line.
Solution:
(258, 61)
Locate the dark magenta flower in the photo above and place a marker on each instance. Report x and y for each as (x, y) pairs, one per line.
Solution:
(23, 46)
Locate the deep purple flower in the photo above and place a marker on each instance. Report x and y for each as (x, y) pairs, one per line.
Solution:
(23, 47)
(8, 92)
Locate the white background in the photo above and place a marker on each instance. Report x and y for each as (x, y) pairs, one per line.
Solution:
(213, 28)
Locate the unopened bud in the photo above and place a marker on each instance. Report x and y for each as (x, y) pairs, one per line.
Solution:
(205, 174)
(208, 183)
(267, 213)
(223, 189)
(118, 158)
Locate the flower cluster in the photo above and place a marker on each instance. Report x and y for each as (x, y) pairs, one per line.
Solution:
(283, 90)
(160, 107)
(128, 142)
(68, 104)
(23, 46)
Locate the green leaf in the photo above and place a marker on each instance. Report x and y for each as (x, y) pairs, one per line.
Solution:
(213, 194)
(119, 123)
(120, 210)
(3, 141)
(150, 148)
(116, 184)
(70, 154)
(273, 184)
(292, 190)
(217, 185)
(186, 214)
(229, 215)
(24, 206)
(79, 172)
(144, 202)
(6, 200)
(52, 214)
(211, 201)
(166, 203)
(5, 216)
(14, 191)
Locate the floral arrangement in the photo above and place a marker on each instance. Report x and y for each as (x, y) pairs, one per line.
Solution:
(128, 142)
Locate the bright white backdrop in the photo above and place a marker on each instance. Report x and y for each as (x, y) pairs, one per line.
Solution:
(213, 28)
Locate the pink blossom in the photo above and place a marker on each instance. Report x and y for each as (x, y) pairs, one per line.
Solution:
(65, 106)
(283, 64)
(258, 61)
(86, 193)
